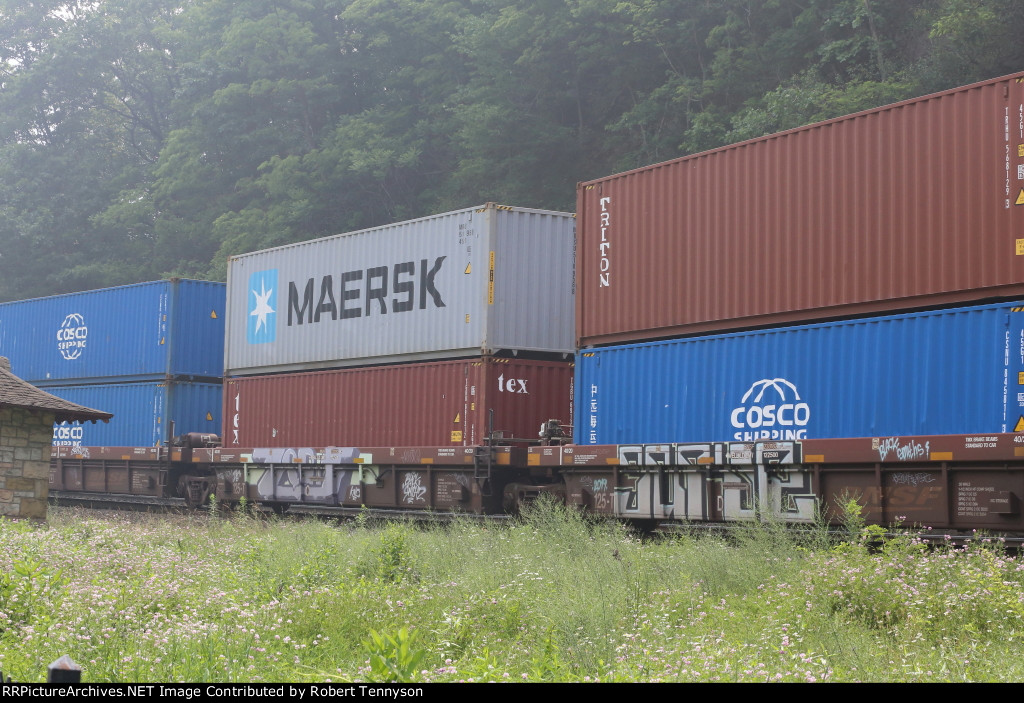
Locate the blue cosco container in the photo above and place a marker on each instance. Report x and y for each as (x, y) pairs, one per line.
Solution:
(143, 413)
(148, 331)
(958, 371)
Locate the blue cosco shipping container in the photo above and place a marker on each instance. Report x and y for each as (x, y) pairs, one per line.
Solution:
(143, 413)
(958, 371)
(147, 331)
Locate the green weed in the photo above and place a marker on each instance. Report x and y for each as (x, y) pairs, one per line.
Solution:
(552, 597)
(393, 658)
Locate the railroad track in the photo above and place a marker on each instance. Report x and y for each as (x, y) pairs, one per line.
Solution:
(101, 501)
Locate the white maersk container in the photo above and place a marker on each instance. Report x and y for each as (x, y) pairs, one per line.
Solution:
(486, 280)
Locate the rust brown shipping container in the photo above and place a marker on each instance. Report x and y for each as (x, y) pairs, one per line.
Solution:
(428, 404)
(919, 203)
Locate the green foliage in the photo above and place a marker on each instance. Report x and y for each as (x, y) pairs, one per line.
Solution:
(552, 598)
(859, 533)
(951, 601)
(143, 138)
(391, 560)
(546, 663)
(970, 40)
(305, 556)
(805, 99)
(26, 592)
(851, 515)
(393, 658)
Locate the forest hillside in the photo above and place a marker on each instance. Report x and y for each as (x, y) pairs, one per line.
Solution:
(147, 138)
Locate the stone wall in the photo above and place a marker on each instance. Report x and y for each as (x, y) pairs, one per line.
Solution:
(25, 439)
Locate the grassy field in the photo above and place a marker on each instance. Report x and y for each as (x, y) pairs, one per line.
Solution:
(146, 598)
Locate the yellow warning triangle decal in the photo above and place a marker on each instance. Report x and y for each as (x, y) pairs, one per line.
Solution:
(1019, 427)
(469, 268)
(209, 416)
(161, 340)
(1020, 197)
(213, 314)
(458, 417)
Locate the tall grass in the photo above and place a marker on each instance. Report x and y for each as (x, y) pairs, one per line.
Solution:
(552, 597)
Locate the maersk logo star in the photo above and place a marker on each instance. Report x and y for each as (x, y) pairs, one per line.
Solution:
(262, 327)
(262, 307)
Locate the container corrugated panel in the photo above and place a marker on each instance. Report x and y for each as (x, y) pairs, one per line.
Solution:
(143, 413)
(466, 283)
(443, 403)
(917, 204)
(958, 371)
(128, 333)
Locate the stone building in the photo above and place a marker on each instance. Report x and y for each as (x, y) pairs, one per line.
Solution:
(27, 415)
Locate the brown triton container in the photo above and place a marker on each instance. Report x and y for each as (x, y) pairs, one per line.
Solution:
(919, 203)
(443, 403)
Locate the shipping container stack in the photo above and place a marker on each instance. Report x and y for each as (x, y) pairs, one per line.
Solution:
(151, 354)
(412, 334)
(853, 278)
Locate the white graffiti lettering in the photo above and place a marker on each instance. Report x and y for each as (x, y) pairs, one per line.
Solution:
(602, 498)
(904, 450)
(907, 478)
(412, 491)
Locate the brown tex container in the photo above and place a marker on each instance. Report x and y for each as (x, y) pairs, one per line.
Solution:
(440, 404)
(918, 203)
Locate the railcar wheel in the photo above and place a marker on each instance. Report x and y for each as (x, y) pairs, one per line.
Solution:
(196, 490)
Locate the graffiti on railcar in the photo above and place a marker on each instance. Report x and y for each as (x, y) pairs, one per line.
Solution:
(906, 497)
(413, 491)
(697, 454)
(912, 478)
(629, 493)
(599, 490)
(791, 495)
(739, 490)
(591, 491)
(902, 449)
(349, 482)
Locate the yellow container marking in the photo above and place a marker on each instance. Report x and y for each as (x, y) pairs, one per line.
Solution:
(490, 282)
